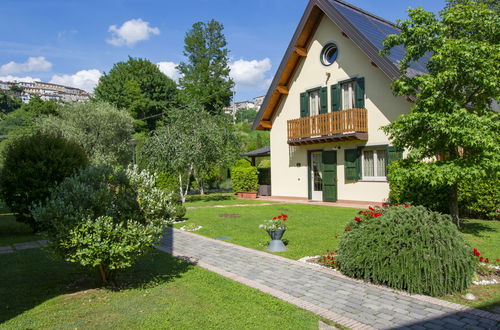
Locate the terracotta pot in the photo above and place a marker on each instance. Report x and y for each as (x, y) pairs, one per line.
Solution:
(247, 194)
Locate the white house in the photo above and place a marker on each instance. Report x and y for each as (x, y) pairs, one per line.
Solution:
(327, 102)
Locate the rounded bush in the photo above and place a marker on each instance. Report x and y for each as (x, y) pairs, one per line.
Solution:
(407, 248)
(33, 164)
(105, 218)
(245, 178)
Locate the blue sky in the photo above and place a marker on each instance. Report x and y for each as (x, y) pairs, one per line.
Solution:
(72, 42)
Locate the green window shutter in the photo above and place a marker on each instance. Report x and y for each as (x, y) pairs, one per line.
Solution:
(304, 105)
(335, 96)
(360, 93)
(323, 100)
(352, 164)
(393, 154)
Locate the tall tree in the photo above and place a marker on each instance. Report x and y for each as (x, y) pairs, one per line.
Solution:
(139, 87)
(452, 133)
(192, 143)
(205, 75)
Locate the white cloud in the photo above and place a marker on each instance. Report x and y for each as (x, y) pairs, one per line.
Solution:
(250, 73)
(23, 79)
(32, 64)
(131, 32)
(169, 69)
(84, 79)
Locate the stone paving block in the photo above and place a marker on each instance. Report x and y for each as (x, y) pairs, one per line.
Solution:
(25, 246)
(6, 249)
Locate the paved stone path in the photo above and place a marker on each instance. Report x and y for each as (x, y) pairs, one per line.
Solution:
(348, 302)
(22, 246)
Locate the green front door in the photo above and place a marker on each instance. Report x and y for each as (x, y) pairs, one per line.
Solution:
(329, 176)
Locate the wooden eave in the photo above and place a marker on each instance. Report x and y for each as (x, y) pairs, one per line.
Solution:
(295, 53)
(329, 138)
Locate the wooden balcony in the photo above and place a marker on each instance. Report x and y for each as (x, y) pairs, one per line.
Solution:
(344, 125)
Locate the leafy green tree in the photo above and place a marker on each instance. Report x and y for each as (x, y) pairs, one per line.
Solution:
(192, 143)
(139, 87)
(246, 115)
(8, 103)
(38, 107)
(104, 132)
(22, 119)
(205, 75)
(250, 139)
(451, 132)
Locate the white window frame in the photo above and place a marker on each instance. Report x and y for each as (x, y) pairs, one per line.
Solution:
(375, 159)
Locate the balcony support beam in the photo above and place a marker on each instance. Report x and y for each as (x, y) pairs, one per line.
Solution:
(282, 89)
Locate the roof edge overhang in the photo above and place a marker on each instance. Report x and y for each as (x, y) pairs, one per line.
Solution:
(298, 48)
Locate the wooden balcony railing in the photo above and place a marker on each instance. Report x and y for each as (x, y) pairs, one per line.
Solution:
(333, 123)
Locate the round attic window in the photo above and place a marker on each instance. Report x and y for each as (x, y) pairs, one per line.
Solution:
(329, 54)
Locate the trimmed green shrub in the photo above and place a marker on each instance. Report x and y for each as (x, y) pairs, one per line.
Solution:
(477, 199)
(33, 164)
(480, 199)
(105, 218)
(242, 163)
(245, 178)
(407, 248)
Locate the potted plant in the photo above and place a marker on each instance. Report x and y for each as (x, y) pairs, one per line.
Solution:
(245, 181)
(276, 227)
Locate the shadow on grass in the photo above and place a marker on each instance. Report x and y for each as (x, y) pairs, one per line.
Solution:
(31, 277)
(475, 228)
(210, 198)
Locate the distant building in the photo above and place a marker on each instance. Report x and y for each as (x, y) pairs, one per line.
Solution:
(46, 91)
(235, 106)
(257, 101)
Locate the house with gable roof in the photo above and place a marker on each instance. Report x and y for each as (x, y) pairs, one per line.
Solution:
(327, 103)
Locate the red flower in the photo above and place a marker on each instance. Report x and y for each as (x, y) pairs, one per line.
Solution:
(274, 218)
(398, 204)
(498, 260)
(385, 204)
(361, 212)
(371, 208)
(406, 206)
(279, 217)
(487, 260)
(481, 259)
(376, 215)
(357, 219)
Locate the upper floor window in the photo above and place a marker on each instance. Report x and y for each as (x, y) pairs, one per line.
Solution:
(314, 102)
(348, 98)
(329, 53)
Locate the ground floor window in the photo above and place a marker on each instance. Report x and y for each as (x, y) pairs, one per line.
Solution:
(374, 164)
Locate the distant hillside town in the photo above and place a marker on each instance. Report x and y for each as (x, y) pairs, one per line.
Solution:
(46, 91)
(235, 106)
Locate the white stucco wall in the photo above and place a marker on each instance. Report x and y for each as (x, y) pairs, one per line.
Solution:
(289, 179)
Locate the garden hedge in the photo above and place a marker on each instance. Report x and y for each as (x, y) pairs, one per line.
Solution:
(33, 165)
(245, 178)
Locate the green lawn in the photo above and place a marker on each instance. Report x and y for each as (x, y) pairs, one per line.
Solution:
(159, 292)
(12, 231)
(311, 228)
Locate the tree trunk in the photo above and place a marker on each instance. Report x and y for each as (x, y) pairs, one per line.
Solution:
(102, 274)
(454, 204)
